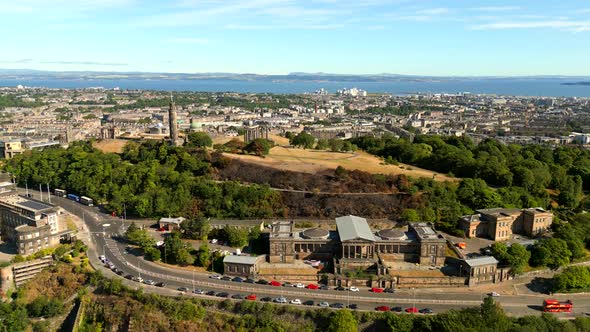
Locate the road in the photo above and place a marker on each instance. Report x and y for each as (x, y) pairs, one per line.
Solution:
(102, 230)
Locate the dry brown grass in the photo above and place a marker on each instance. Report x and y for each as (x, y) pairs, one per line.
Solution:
(313, 161)
(111, 145)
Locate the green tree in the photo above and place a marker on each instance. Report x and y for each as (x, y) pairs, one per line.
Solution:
(153, 254)
(550, 252)
(322, 144)
(336, 144)
(204, 256)
(410, 215)
(518, 258)
(342, 321)
(303, 139)
(236, 237)
(200, 139)
(260, 147)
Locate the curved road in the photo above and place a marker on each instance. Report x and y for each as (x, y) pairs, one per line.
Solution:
(100, 229)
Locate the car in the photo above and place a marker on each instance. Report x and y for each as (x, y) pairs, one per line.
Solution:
(226, 278)
(183, 289)
(312, 286)
(215, 276)
(102, 258)
(354, 289)
(249, 281)
(262, 282)
(237, 279)
(149, 282)
(275, 283)
(340, 288)
(160, 284)
(120, 272)
(112, 266)
(211, 293)
(139, 279)
(238, 296)
(251, 297)
(129, 276)
(382, 308)
(266, 299)
(426, 311)
(412, 310)
(287, 284)
(199, 291)
(352, 306)
(299, 285)
(389, 290)
(494, 294)
(309, 302)
(376, 290)
(280, 300)
(337, 305)
(324, 304)
(397, 309)
(213, 241)
(222, 294)
(324, 287)
(295, 301)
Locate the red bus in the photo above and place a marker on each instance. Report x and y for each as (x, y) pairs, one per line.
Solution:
(551, 305)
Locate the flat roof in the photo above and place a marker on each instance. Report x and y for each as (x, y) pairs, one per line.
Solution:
(239, 259)
(26, 203)
(178, 220)
(353, 227)
(479, 261)
(500, 211)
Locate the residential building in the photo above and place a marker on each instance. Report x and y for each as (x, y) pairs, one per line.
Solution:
(500, 224)
(242, 266)
(170, 224)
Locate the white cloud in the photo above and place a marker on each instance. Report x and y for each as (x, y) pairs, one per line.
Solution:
(550, 24)
(497, 8)
(190, 40)
(30, 6)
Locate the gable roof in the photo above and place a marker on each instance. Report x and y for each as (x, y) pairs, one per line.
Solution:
(353, 227)
(487, 260)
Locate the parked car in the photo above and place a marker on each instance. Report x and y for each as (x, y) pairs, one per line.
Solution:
(382, 308)
(160, 284)
(226, 278)
(376, 290)
(397, 309)
(299, 285)
(222, 294)
(275, 283)
(238, 296)
(312, 286)
(324, 287)
(102, 258)
(280, 300)
(120, 272)
(249, 281)
(353, 306)
(266, 299)
(237, 279)
(211, 293)
(287, 284)
(324, 304)
(295, 301)
(309, 302)
(412, 310)
(183, 289)
(129, 276)
(389, 290)
(262, 282)
(337, 305)
(213, 241)
(426, 311)
(354, 289)
(251, 297)
(149, 282)
(139, 279)
(494, 294)
(340, 288)
(215, 276)
(199, 291)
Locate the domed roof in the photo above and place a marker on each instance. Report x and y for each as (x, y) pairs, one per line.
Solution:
(392, 234)
(315, 233)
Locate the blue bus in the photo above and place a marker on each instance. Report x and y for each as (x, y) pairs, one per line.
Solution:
(74, 197)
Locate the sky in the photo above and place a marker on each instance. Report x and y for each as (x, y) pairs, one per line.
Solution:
(419, 37)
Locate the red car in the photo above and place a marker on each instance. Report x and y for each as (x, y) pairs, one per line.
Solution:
(275, 283)
(412, 310)
(251, 297)
(382, 308)
(376, 290)
(312, 286)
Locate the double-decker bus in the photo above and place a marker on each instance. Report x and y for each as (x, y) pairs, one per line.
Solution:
(551, 305)
(86, 201)
(59, 192)
(74, 197)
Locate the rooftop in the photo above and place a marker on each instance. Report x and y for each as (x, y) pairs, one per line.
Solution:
(239, 259)
(479, 261)
(26, 203)
(353, 227)
(178, 220)
(500, 211)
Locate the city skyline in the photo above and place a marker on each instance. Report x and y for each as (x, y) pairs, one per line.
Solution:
(434, 38)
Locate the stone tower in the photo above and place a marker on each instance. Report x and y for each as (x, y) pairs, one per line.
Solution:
(173, 122)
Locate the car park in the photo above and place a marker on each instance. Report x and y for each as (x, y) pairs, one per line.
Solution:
(237, 279)
(280, 300)
(426, 311)
(397, 309)
(354, 289)
(324, 304)
(199, 291)
(238, 296)
(266, 299)
(160, 284)
(183, 289)
(352, 306)
(337, 305)
(382, 308)
(251, 297)
(295, 301)
(309, 302)
(376, 290)
(389, 290)
(211, 293)
(412, 310)
(149, 282)
(312, 286)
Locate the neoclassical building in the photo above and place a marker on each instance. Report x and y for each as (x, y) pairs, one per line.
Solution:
(499, 224)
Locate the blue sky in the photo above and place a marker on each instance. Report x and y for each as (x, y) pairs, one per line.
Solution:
(422, 37)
